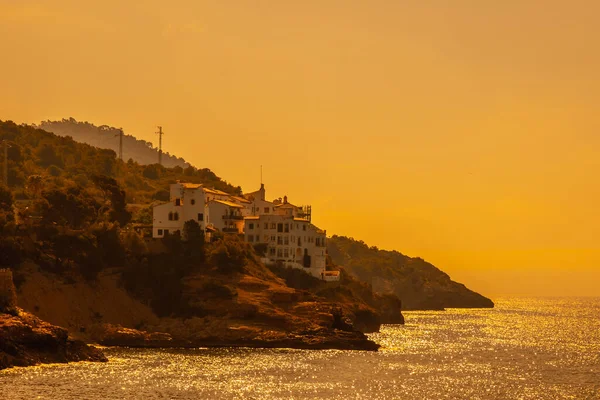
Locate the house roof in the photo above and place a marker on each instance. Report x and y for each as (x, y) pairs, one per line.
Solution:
(286, 205)
(191, 185)
(215, 191)
(227, 203)
(300, 219)
(240, 199)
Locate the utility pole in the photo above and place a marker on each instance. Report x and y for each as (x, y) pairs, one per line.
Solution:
(120, 135)
(121, 143)
(5, 163)
(160, 133)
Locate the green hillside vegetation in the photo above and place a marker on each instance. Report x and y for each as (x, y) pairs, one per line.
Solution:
(107, 137)
(66, 215)
(419, 284)
(63, 162)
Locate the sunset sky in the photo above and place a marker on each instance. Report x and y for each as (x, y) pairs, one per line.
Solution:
(465, 132)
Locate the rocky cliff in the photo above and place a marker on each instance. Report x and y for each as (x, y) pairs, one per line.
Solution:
(419, 284)
(26, 340)
(253, 308)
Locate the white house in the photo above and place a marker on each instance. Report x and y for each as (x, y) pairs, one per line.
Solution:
(225, 216)
(290, 240)
(285, 229)
(187, 202)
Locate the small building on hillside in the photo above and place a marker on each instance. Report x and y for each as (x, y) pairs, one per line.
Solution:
(225, 216)
(285, 229)
(290, 240)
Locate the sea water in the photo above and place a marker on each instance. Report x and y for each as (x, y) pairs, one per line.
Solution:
(525, 348)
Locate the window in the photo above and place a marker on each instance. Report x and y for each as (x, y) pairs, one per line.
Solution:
(286, 240)
(251, 226)
(273, 225)
(266, 210)
(286, 252)
(257, 238)
(266, 238)
(318, 242)
(279, 240)
(200, 216)
(166, 231)
(266, 225)
(303, 227)
(272, 239)
(286, 228)
(160, 232)
(279, 227)
(271, 251)
(171, 216)
(250, 238)
(177, 202)
(193, 201)
(279, 253)
(176, 216)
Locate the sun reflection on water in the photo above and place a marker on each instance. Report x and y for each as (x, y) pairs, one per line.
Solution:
(523, 349)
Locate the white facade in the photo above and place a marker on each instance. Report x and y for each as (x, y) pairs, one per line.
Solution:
(285, 229)
(293, 242)
(187, 202)
(225, 216)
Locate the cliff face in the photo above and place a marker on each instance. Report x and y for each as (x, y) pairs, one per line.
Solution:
(420, 285)
(26, 340)
(251, 308)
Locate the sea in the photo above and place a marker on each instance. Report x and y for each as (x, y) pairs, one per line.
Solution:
(524, 348)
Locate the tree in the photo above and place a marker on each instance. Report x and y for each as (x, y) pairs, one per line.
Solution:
(6, 199)
(72, 207)
(116, 196)
(47, 156)
(193, 244)
(35, 184)
(151, 171)
(229, 255)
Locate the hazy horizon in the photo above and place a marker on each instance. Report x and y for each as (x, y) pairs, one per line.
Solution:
(466, 134)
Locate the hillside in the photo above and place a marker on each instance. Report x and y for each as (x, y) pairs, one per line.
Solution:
(66, 233)
(107, 137)
(416, 282)
(62, 161)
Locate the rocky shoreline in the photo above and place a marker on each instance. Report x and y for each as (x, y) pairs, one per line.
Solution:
(318, 339)
(26, 340)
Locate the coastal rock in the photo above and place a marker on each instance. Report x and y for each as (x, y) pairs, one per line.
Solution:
(26, 340)
(115, 335)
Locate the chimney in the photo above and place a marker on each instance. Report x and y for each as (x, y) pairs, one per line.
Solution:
(284, 199)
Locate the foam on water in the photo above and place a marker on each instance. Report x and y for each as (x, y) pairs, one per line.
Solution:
(522, 349)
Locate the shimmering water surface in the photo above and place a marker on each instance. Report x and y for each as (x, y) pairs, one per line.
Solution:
(522, 349)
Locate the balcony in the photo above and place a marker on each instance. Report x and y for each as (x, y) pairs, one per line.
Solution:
(229, 230)
(234, 217)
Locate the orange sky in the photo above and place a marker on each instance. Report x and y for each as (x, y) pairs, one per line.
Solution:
(464, 132)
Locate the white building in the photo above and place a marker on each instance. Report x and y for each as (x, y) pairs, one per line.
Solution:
(225, 216)
(290, 238)
(187, 202)
(286, 230)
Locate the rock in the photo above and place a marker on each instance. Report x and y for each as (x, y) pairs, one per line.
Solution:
(26, 340)
(115, 335)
